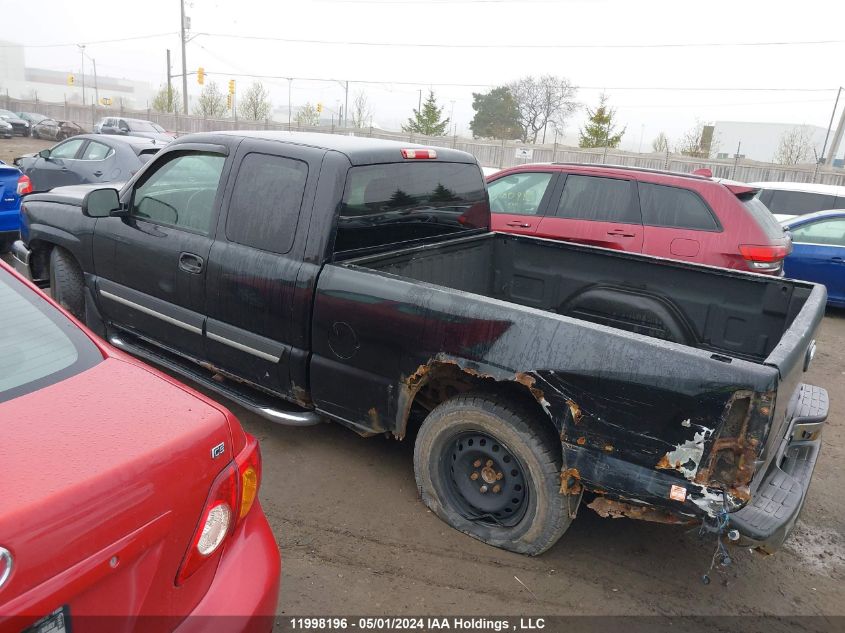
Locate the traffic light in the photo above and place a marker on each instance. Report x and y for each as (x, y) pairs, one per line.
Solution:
(228, 101)
(200, 75)
(70, 80)
(319, 107)
(231, 86)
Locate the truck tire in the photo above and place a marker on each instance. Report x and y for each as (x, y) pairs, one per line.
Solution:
(490, 468)
(67, 283)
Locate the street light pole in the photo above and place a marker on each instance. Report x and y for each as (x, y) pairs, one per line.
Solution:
(82, 59)
(290, 81)
(184, 61)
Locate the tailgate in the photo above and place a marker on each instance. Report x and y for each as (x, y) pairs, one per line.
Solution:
(790, 357)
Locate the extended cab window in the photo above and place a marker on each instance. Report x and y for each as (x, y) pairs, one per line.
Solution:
(404, 202)
(597, 199)
(39, 346)
(519, 194)
(266, 201)
(674, 207)
(181, 192)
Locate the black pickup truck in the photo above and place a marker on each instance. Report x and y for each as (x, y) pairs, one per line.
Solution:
(314, 277)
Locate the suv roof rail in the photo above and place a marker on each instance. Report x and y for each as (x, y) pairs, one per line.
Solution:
(647, 170)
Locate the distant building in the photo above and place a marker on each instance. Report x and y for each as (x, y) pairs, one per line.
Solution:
(759, 141)
(23, 82)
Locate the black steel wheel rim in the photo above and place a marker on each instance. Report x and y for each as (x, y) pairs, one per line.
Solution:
(484, 479)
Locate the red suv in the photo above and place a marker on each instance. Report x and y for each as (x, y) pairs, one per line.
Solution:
(680, 216)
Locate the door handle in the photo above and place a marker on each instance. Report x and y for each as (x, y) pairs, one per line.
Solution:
(190, 263)
(621, 234)
(98, 173)
(838, 260)
(522, 225)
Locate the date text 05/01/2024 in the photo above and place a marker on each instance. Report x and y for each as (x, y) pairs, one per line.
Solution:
(412, 623)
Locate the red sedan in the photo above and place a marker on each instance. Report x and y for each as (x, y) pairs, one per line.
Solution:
(687, 217)
(129, 501)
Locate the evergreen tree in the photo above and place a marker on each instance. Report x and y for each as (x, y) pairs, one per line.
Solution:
(600, 130)
(400, 199)
(428, 122)
(496, 115)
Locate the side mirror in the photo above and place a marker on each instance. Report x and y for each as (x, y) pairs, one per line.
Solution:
(45, 154)
(124, 130)
(100, 203)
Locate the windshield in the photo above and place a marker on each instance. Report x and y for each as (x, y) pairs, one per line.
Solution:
(39, 346)
(141, 126)
(404, 202)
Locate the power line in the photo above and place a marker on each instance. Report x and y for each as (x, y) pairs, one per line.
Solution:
(91, 43)
(467, 85)
(520, 46)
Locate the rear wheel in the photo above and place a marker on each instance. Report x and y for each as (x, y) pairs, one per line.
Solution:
(67, 283)
(6, 244)
(490, 468)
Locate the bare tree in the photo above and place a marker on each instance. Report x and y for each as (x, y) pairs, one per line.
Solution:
(795, 146)
(167, 100)
(307, 115)
(660, 143)
(362, 111)
(542, 101)
(698, 141)
(211, 102)
(255, 104)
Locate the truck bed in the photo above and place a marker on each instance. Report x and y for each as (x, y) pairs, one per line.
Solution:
(739, 315)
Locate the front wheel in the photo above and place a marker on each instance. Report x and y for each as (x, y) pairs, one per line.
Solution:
(490, 468)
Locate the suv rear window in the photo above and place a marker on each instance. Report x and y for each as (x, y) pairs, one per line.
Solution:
(397, 203)
(39, 346)
(764, 218)
(674, 207)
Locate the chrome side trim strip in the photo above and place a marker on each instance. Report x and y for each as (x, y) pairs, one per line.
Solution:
(153, 313)
(242, 347)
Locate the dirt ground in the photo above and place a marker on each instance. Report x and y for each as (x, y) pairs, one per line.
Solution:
(355, 539)
(10, 148)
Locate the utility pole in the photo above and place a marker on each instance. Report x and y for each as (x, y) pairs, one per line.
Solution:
(736, 159)
(346, 105)
(290, 81)
(184, 60)
(170, 107)
(96, 89)
(837, 137)
(82, 59)
(452, 116)
(419, 102)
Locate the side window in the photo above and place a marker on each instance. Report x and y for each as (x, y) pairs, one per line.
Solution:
(799, 202)
(519, 194)
(839, 203)
(266, 201)
(97, 151)
(674, 207)
(597, 199)
(67, 149)
(827, 232)
(181, 192)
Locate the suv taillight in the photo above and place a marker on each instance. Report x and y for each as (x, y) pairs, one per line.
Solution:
(24, 185)
(230, 499)
(760, 257)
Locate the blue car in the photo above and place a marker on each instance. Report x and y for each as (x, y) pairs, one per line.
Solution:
(10, 205)
(818, 253)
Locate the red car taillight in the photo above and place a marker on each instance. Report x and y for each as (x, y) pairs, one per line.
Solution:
(764, 257)
(230, 499)
(24, 185)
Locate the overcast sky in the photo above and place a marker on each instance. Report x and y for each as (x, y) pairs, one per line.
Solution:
(501, 27)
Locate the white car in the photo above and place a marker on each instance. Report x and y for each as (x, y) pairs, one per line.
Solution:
(787, 200)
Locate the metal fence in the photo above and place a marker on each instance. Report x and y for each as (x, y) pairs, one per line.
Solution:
(489, 153)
